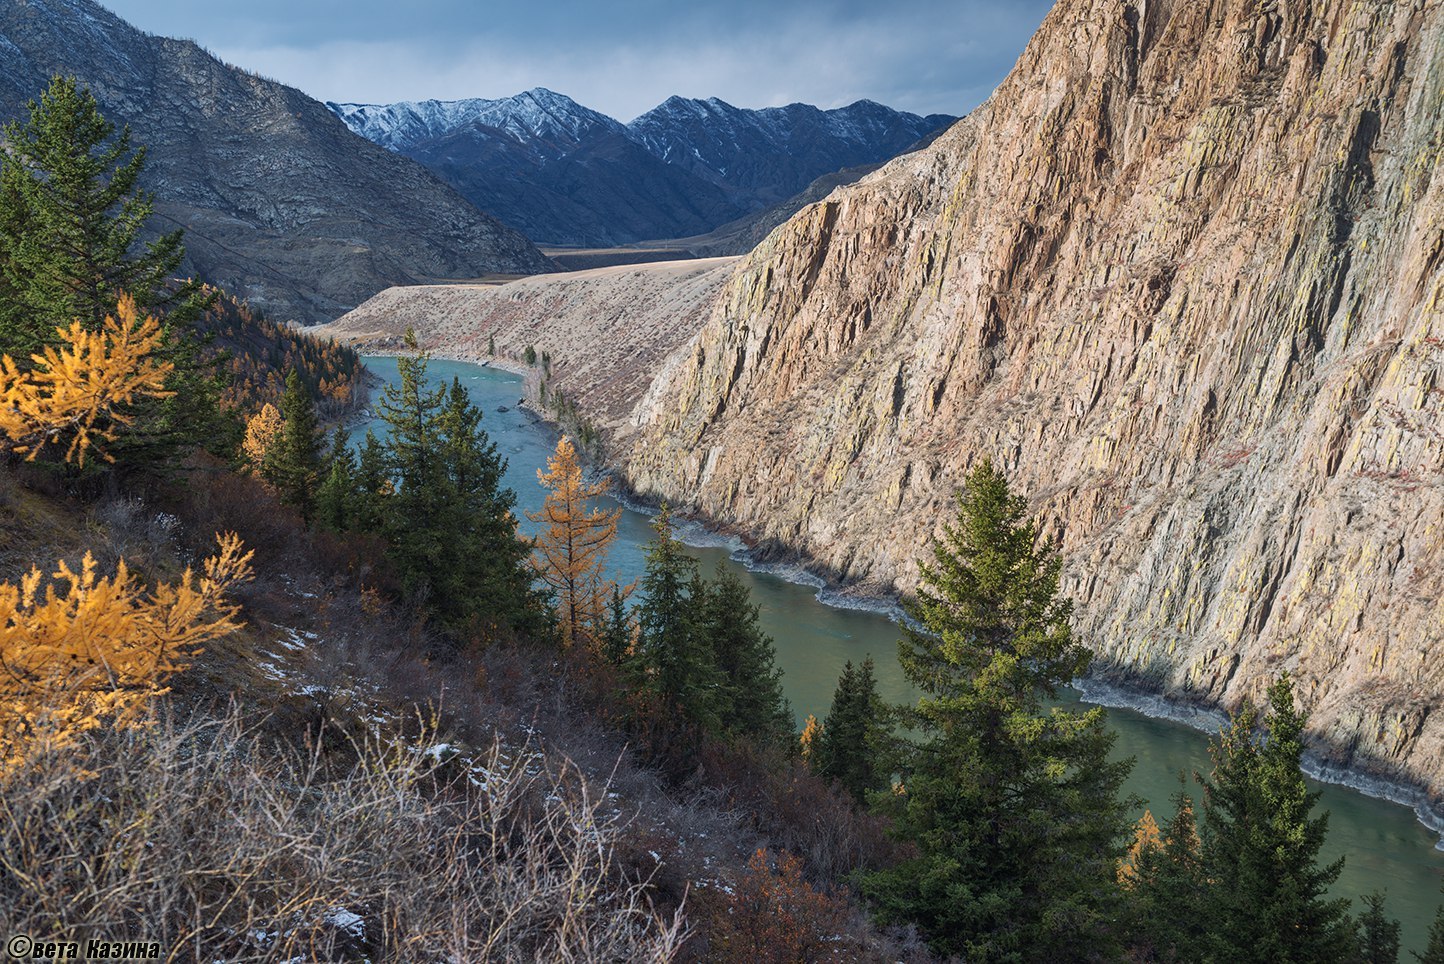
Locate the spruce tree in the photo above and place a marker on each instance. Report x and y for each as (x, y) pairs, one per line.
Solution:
(336, 498)
(1166, 887)
(71, 220)
(751, 703)
(373, 487)
(416, 478)
(1267, 898)
(486, 580)
(1378, 934)
(293, 463)
(617, 633)
(1434, 950)
(71, 217)
(674, 657)
(1014, 809)
(852, 742)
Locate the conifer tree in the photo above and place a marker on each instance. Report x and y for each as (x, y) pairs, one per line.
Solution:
(262, 430)
(809, 740)
(1378, 934)
(619, 632)
(851, 745)
(1014, 809)
(373, 487)
(750, 698)
(486, 580)
(1268, 894)
(336, 497)
(71, 215)
(71, 219)
(674, 656)
(1434, 950)
(293, 460)
(1164, 880)
(571, 550)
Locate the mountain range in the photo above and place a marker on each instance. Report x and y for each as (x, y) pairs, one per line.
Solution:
(562, 173)
(282, 204)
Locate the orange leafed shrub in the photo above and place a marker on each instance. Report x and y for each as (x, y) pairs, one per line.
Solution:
(75, 389)
(777, 916)
(92, 649)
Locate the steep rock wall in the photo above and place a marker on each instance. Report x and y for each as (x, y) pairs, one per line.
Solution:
(1180, 276)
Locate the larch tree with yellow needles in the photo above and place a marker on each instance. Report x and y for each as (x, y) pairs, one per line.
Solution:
(571, 551)
(92, 650)
(87, 650)
(76, 391)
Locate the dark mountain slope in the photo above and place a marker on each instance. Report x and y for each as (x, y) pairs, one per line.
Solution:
(564, 174)
(283, 205)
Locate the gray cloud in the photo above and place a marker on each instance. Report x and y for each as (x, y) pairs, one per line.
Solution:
(621, 59)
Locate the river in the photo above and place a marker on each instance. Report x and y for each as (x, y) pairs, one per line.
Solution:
(1385, 847)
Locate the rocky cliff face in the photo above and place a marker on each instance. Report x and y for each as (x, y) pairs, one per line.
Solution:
(282, 204)
(1183, 277)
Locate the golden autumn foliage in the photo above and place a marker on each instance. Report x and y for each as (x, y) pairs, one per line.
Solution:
(1146, 837)
(74, 390)
(811, 734)
(571, 550)
(262, 430)
(92, 650)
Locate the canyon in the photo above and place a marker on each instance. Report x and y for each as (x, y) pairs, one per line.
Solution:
(1181, 277)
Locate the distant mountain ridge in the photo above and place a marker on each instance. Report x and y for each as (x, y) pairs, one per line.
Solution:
(283, 205)
(565, 174)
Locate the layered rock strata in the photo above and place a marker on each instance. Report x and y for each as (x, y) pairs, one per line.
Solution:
(1181, 277)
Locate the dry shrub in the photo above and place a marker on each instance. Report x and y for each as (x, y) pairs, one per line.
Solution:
(798, 811)
(777, 916)
(221, 848)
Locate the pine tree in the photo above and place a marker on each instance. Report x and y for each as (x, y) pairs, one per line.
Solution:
(491, 344)
(808, 741)
(1267, 899)
(674, 657)
(336, 496)
(750, 698)
(571, 550)
(373, 487)
(293, 461)
(1378, 934)
(1014, 810)
(852, 736)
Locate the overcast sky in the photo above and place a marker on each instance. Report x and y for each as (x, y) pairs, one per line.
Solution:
(942, 56)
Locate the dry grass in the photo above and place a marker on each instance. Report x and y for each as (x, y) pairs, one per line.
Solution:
(220, 847)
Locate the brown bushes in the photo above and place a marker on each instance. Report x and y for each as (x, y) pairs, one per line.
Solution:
(199, 837)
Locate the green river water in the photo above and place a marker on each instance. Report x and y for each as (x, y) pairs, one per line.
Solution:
(1385, 847)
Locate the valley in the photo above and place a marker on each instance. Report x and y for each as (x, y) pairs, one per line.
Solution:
(1124, 381)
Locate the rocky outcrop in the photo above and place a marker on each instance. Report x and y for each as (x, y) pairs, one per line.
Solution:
(1183, 277)
(281, 203)
(605, 330)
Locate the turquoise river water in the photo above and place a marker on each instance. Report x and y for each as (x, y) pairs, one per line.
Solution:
(1385, 847)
